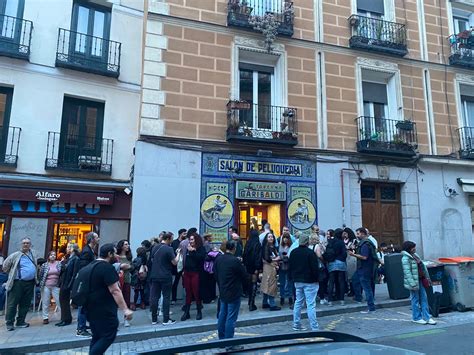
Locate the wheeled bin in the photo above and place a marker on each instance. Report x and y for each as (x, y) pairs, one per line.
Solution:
(394, 276)
(438, 294)
(460, 272)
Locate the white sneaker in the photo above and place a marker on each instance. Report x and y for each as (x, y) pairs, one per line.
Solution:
(299, 329)
(323, 301)
(126, 323)
(420, 321)
(169, 322)
(343, 303)
(367, 312)
(431, 321)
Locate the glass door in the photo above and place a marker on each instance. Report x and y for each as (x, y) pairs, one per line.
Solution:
(70, 232)
(5, 108)
(91, 27)
(11, 12)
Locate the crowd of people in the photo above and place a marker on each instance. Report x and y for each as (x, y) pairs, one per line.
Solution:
(306, 268)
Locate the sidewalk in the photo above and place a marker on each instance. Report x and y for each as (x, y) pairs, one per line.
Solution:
(39, 337)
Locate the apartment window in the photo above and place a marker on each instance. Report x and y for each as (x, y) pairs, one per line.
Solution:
(462, 20)
(371, 8)
(261, 7)
(92, 25)
(255, 87)
(10, 13)
(5, 109)
(467, 110)
(81, 130)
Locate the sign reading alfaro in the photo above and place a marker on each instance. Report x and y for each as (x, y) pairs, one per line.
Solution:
(266, 191)
(260, 167)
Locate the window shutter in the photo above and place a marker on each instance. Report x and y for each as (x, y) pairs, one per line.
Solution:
(374, 92)
(371, 6)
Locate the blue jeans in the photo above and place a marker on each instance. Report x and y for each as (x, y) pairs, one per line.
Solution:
(306, 291)
(228, 313)
(356, 287)
(419, 304)
(270, 300)
(366, 283)
(81, 318)
(286, 285)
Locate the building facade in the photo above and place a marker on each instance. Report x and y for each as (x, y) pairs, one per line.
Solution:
(336, 112)
(69, 105)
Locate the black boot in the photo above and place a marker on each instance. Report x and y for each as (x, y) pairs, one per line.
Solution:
(199, 313)
(290, 301)
(282, 301)
(186, 312)
(252, 295)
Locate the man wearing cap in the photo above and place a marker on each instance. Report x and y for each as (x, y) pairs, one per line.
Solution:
(304, 273)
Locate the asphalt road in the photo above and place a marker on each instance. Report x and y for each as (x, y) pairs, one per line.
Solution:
(453, 334)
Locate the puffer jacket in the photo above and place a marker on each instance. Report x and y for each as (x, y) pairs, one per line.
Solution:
(411, 280)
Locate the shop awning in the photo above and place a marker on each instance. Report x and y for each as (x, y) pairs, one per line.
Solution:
(52, 195)
(467, 185)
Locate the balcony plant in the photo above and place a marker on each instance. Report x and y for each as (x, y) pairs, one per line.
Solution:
(239, 105)
(405, 125)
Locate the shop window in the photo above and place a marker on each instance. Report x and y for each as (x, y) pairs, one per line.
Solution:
(65, 233)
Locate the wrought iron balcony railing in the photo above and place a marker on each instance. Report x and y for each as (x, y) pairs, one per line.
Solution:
(378, 35)
(270, 124)
(462, 49)
(15, 37)
(239, 12)
(9, 145)
(466, 140)
(79, 153)
(386, 137)
(88, 53)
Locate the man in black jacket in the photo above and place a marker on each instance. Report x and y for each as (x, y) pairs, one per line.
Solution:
(304, 273)
(230, 275)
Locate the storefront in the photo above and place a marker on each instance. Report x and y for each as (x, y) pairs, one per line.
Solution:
(242, 191)
(54, 217)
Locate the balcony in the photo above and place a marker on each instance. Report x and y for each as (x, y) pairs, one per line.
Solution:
(466, 140)
(378, 35)
(79, 153)
(462, 49)
(9, 144)
(386, 137)
(89, 54)
(248, 122)
(240, 11)
(15, 37)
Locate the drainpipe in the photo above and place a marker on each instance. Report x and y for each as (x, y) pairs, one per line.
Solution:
(341, 174)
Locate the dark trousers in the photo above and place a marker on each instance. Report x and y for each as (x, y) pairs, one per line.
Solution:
(191, 285)
(64, 301)
(356, 287)
(81, 318)
(337, 278)
(126, 293)
(174, 293)
(157, 288)
(20, 297)
(104, 332)
(365, 282)
(139, 292)
(323, 285)
(228, 313)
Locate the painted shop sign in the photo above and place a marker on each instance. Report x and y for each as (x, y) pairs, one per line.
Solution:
(63, 196)
(265, 191)
(260, 167)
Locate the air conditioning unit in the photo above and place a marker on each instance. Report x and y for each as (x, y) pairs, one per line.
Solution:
(89, 162)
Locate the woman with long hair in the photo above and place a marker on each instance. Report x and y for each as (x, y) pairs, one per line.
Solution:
(252, 259)
(415, 279)
(193, 266)
(350, 240)
(207, 281)
(124, 256)
(139, 278)
(69, 269)
(337, 268)
(286, 285)
(270, 259)
(49, 283)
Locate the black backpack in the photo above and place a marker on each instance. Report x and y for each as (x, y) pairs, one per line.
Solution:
(330, 254)
(81, 288)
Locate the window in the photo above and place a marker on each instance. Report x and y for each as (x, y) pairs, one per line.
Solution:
(375, 108)
(462, 20)
(256, 84)
(261, 7)
(92, 25)
(81, 130)
(467, 110)
(11, 12)
(371, 8)
(5, 108)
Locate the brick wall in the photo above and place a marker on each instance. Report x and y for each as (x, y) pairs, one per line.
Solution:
(436, 23)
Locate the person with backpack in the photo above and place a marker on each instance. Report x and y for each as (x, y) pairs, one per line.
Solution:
(88, 255)
(336, 255)
(163, 258)
(305, 274)
(139, 277)
(207, 281)
(366, 261)
(97, 290)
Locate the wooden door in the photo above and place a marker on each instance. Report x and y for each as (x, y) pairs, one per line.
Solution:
(381, 211)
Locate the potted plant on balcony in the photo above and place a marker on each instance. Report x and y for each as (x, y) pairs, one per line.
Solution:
(405, 125)
(238, 105)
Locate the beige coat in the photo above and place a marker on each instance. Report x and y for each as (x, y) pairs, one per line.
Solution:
(269, 279)
(10, 265)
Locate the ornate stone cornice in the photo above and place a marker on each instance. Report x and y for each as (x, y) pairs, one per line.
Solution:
(464, 78)
(258, 45)
(376, 64)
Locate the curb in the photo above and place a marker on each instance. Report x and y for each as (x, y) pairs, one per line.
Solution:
(144, 332)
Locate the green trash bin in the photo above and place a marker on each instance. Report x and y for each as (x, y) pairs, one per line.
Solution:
(460, 272)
